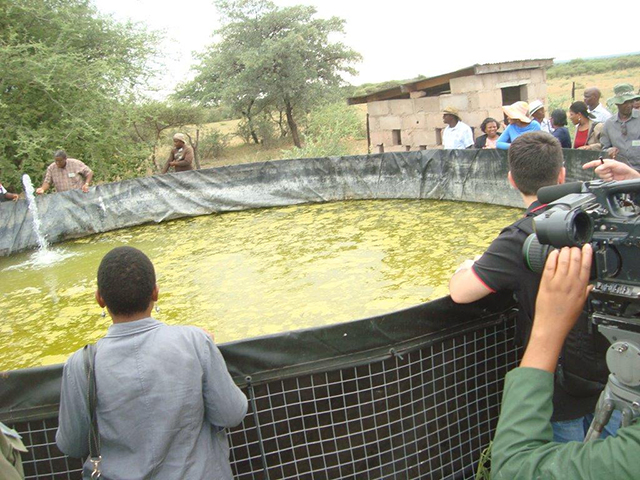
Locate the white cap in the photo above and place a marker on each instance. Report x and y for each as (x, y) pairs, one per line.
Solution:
(535, 106)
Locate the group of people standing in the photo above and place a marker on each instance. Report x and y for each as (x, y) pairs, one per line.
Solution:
(595, 127)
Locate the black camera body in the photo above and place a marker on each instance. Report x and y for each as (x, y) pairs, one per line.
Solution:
(603, 214)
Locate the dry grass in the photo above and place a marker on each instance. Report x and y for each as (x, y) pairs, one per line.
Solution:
(559, 89)
(239, 152)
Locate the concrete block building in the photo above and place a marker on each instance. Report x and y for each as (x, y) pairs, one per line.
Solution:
(409, 117)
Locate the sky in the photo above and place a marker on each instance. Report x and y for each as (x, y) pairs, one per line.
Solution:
(402, 39)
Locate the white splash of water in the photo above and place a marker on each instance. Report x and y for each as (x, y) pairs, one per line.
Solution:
(44, 256)
(33, 208)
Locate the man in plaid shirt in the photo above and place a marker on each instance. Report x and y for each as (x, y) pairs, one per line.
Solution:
(66, 174)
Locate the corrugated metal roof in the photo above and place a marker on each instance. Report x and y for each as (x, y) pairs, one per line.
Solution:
(404, 90)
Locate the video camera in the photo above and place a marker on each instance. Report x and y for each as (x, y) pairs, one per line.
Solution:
(604, 215)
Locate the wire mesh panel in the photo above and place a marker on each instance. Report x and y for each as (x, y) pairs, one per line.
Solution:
(423, 414)
(426, 414)
(44, 460)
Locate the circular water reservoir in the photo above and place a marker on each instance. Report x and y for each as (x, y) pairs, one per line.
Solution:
(250, 273)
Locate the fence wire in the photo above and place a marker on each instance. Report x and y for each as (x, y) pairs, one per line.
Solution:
(426, 414)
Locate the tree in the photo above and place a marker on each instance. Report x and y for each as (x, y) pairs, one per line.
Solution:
(69, 79)
(154, 118)
(269, 57)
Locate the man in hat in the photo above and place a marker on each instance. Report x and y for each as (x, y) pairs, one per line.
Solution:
(181, 157)
(620, 137)
(592, 99)
(536, 111)
(457, 135)
(66, 174)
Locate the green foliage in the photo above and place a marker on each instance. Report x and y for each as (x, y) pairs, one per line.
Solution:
(269, 57)
(484, 464)
(69, 77)
(212, 144)
(328, 129)
(335, 120)
(323, 146)
(153, 119)
(219, 114)
(581, 66)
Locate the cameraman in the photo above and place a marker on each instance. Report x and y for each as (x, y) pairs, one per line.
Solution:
(535, 161)
(522, 447)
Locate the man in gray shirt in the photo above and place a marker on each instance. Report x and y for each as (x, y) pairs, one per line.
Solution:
(164, 394)
(620, 137)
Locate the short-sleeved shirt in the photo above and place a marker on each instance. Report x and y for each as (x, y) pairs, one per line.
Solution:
(502, 267)
(458, 137)
(545, 126)
(601, 113)
(71, 177)
(625, 136)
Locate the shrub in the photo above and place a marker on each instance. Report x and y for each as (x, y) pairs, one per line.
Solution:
(337, 121)
(212, 144)
(327, 131)
(263, 128)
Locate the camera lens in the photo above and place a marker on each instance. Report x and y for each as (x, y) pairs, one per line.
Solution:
(562, 228)
(535, 254)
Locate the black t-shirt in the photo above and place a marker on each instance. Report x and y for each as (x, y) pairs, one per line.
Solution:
(502, 267)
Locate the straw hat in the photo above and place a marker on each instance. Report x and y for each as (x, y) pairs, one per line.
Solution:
(535, 106)
(452, 111)
(180, 136)
(518, 111)
(623, 92)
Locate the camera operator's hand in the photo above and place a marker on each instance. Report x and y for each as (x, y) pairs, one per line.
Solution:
(612, 170)
(563, 292)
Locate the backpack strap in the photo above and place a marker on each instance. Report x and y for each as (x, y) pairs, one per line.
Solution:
(89, 356)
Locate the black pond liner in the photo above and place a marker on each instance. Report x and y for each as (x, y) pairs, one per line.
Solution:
(409, 394)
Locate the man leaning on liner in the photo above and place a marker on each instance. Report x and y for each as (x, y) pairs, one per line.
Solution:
(535, 161)
(164, 395)
(66, 174)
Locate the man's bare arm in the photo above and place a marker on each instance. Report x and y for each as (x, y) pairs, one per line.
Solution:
(45, 186)
(465, 286)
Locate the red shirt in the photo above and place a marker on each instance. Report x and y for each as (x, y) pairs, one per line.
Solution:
(581, 138)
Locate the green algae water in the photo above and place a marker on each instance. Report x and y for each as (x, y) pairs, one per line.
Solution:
(251, 273)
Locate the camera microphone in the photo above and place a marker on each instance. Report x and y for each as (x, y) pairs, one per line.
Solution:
(555, 192)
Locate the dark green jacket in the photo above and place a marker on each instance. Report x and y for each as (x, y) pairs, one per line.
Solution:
(523, 447)
(10, 459)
